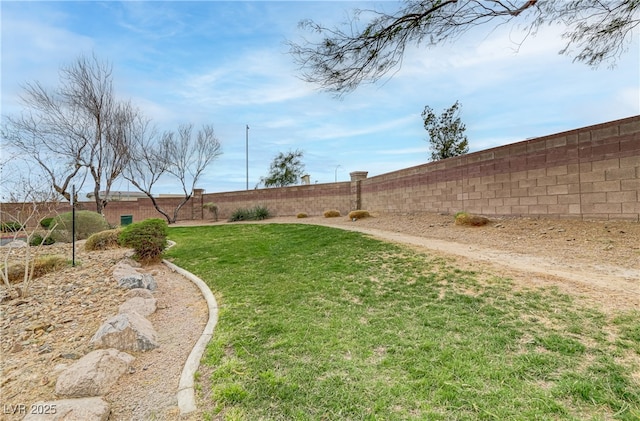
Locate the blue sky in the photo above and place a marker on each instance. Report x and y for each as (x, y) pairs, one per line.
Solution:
(226, 63)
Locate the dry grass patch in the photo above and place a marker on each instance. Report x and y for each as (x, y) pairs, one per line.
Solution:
(41, 266)
(358, 214)
(466, 219)
(332, 213)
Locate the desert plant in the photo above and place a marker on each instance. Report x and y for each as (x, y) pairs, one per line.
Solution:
(260, 212)
(39, 266)
(250, 214)
(11, 226)
(466, 219)
(147, 238)
(358, 214)
(25, 225)
(331, 213)
(302, 215)
(211, 207)
(103, 240)
(87, 223)
(46, 222)
(37, 239)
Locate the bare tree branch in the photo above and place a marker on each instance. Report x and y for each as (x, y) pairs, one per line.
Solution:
(339, 60)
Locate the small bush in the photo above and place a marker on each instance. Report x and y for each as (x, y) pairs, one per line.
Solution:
(331, 213)
(301, 215)
(42, 266)
(147, 238)
(103, 240)
(261, 212)
(37, 239)
(466, 219)
(358, 214)
(253, 214)
(10, 226)
(46, 222)
(87, 223)
(211, 207)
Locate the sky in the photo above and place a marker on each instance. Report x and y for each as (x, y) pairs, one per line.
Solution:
(227, 64)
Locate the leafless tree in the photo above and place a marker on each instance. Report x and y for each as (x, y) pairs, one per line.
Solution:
(37, 203)
(77, 129)
(181, 155)
(341, 59)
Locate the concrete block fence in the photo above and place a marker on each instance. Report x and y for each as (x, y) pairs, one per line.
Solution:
(587, 173)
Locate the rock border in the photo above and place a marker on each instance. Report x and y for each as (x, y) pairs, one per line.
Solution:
(186, 392)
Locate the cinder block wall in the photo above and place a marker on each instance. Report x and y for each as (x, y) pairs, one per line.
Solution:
(312, 199)
(590, 173)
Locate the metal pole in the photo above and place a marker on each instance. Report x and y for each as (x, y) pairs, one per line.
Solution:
(336, 174)
(247, 155)
(73, 225)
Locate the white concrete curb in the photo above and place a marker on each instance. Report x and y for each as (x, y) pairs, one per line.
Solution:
(186, 393)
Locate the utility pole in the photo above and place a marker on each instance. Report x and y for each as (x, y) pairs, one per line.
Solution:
(336, 174)
(247, 155)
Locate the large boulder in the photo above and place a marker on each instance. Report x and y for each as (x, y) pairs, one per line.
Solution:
(142, 306)
(83, 409)
(93, 374)
(126, 332)
(129, 277)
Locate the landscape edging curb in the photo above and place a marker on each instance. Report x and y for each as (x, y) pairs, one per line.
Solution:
(186, 392)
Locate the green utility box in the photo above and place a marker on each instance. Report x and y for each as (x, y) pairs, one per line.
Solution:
(126, 220)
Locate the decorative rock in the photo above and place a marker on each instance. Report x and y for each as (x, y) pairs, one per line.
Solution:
(138, 292)
(126, 332)
(130, 278)
(84, 409)
(138, 281)
(93, 374)
(16, 244)
(142, 306)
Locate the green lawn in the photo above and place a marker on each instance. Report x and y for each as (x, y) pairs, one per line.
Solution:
(323, 324)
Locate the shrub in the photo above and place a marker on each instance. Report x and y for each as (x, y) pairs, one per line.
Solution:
(147, 238)
(211, 207)
(358, 214)
(466, 219)
(103, 240)
(87, 223)
(46, 222)
(261, 212)
(301, 215)
(331, 213)
(37, 239)
(12, 226)
(253, 214)
(42, 266)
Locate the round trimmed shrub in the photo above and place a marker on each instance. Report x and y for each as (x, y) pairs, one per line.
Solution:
(103, 240)
(46, 222)
(87, 223)
(302, 215)
(331, 213)
(466, 219)
(147, 238)
(358, 214)
(37, 239)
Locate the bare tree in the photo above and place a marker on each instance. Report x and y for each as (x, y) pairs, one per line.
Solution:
(179, 154)
(79, 127)
(37, 203)
(342, 59)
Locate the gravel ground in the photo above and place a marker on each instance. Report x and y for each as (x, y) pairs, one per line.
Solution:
(598, 262)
